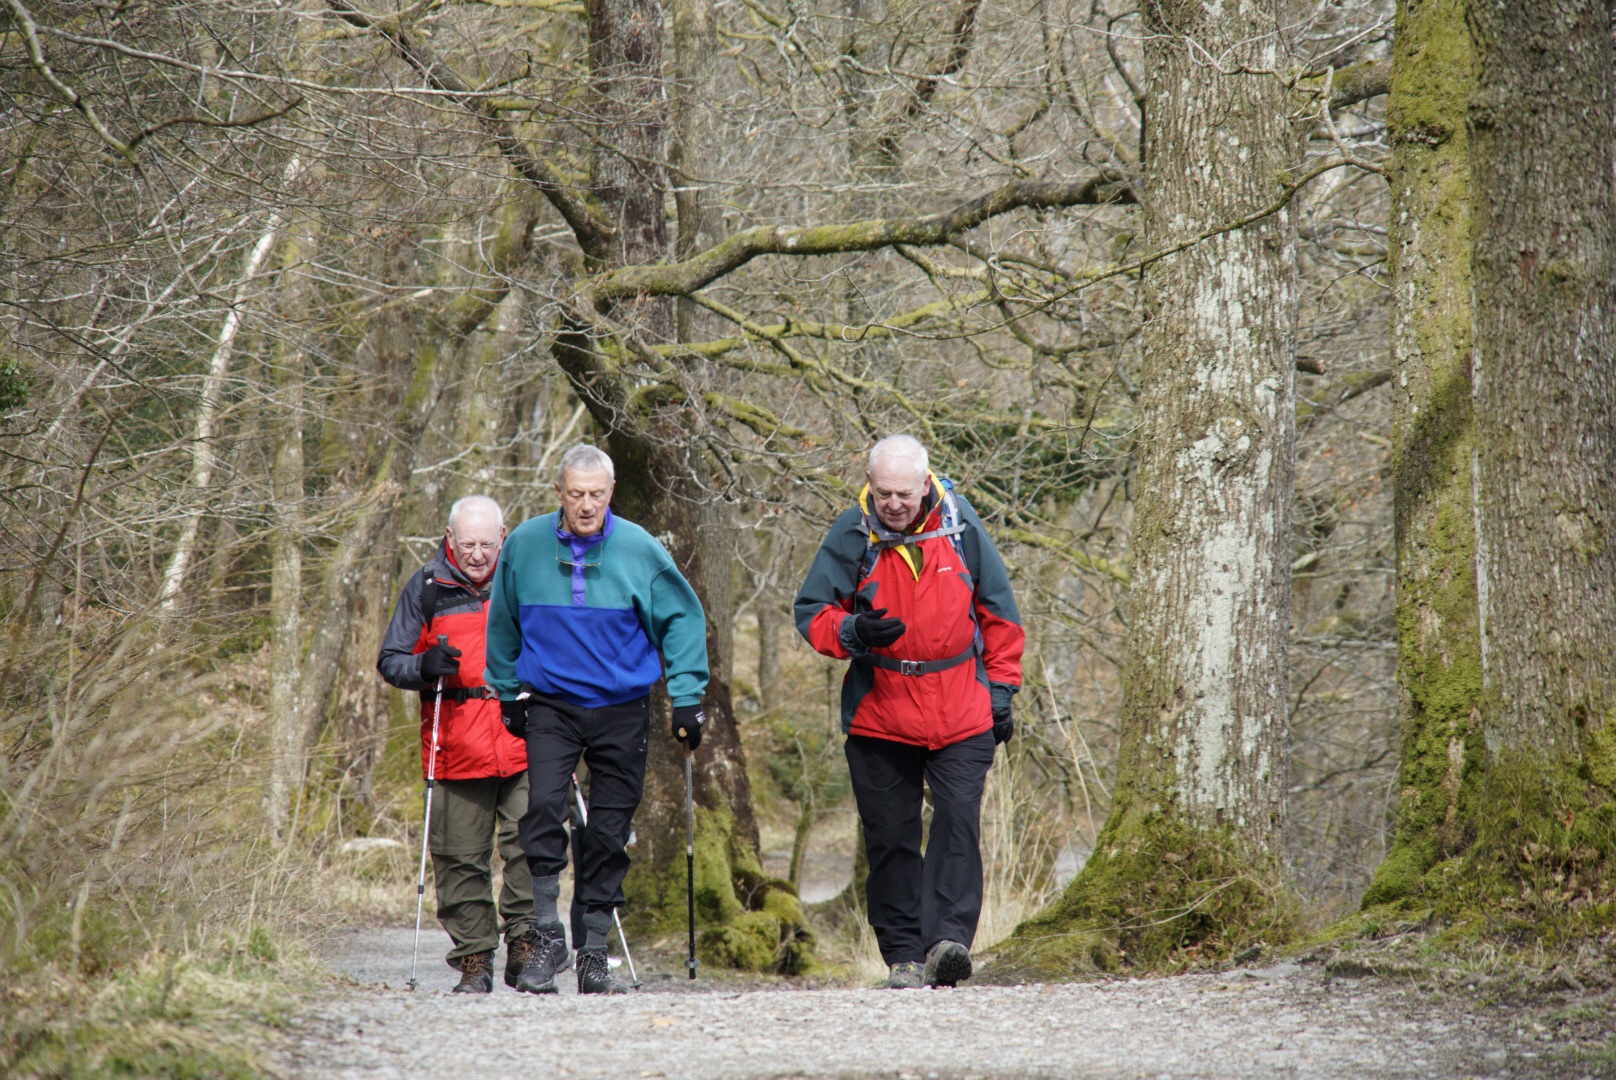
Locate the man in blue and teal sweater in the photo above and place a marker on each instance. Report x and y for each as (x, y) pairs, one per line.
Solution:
(583, 604)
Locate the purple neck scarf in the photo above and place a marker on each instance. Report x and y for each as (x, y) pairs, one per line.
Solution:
(580, 546)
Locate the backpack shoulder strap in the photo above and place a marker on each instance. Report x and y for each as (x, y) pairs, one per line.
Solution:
(951, 526)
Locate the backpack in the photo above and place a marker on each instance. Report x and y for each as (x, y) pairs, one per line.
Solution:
(433, 599)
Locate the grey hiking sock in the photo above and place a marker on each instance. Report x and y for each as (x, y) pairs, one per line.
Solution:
(545, 892)
(597, 924)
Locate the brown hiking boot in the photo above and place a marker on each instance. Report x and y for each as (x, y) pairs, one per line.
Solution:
(476, 974)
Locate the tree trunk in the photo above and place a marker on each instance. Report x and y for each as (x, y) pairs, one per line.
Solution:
(432, 346)
(1186, 863)
(286, 542)
(1439, 653)
(750, 922)
(694, 43)
(207, 412)
(1544, 263)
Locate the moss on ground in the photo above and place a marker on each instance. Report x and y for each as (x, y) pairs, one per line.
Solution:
(1158, 894)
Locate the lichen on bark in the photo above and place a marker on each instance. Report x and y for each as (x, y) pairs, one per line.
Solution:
(1185, 868)
(1439, 652)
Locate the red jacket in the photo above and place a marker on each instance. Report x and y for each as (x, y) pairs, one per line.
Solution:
(953, 602)
(472, 741)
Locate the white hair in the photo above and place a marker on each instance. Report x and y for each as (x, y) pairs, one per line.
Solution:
(586, 459)
(475, 504)
(900, 449)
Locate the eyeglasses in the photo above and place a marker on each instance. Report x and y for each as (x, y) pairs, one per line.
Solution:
(473, 547)
(592, 556)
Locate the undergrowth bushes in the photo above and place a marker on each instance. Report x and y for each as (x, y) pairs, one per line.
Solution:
(142, 902)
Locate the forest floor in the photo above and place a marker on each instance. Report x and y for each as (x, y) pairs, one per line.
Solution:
(1305, 1020)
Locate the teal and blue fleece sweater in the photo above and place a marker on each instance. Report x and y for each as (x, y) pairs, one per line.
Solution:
(584, 619)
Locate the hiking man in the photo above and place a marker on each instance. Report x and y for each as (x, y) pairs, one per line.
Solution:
(909, 586)
(437, 633)
(583, 603)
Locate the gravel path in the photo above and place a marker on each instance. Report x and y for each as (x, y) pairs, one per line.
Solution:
(1284, 1021)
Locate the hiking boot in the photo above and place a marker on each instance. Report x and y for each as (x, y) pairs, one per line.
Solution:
(519, 949)
(905, 975)
(595, 974)
(947, 964)
(476, 974)
(548, 945)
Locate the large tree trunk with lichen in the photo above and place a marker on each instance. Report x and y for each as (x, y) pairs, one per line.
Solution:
(745, 920)
(1188, 858)
(1439, 637)
(1543, 146)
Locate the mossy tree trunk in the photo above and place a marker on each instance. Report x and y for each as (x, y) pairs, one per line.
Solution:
(1186, 865)
(1439, 635)
(1543, 153)
(746, 920)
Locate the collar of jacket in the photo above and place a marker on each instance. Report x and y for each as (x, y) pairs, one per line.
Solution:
(578, 543)
(446, 569)
(930, 506)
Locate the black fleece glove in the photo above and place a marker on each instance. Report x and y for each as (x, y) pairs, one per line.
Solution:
(440, 661)
(1004, 725)
(688, 721)
(875, 631)
(514, 713)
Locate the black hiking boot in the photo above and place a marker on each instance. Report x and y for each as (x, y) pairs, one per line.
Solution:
(476, 974)
(947, 964)
(520, 949)
(548, 954)
(595, 974)
(905, 975)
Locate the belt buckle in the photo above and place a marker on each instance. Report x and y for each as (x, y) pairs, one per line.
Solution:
(909, 667)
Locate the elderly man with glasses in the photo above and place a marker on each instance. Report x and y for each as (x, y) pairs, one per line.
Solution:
(588, 613)
(434, 645)
(909, 587)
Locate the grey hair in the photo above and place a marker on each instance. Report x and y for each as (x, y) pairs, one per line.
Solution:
(475, 504)
(585, 458)
(900, 448)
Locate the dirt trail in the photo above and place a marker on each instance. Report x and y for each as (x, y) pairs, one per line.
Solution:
(1284, 1021)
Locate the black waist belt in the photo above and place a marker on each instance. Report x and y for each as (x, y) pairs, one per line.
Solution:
(459, 693)
(920, 667)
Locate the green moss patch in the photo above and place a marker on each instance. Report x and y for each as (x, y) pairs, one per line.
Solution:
(1157, 895)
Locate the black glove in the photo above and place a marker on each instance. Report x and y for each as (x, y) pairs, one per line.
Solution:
(875, 631)
(440, 661)
(514, 713)
(1004, 727)
(688, 720)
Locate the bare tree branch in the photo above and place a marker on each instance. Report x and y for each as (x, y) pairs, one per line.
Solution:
(684, 278)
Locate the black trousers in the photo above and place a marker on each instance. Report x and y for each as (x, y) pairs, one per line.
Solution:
(612, 742)
(916, 901)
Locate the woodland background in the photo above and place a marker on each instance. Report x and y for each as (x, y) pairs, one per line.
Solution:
(281, 280)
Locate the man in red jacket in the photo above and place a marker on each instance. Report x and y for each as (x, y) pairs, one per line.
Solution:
(909, 586)
(437, 632)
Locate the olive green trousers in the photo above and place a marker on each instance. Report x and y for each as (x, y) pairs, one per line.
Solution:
(471, 820)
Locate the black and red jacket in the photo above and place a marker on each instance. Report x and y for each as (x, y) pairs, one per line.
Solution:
(472, 741)
(953, 595)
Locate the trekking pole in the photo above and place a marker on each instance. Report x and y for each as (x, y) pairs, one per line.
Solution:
(690, 862)
(426, 821)
(583, 815)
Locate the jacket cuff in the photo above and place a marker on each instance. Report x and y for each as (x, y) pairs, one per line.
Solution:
(850, 640)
